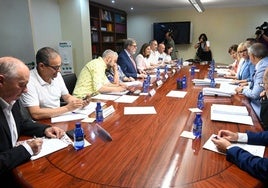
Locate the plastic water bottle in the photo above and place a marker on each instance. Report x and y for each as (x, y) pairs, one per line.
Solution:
(184, 82)
(197, 126)
(78, 137)
(99, 113)
(158, 74)
(145, 86)
(212, 82)
(192, 70)
(200, 100)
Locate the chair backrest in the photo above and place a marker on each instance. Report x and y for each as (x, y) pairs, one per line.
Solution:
(70, 81)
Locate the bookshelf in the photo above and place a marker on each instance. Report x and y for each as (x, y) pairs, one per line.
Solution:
(108, 28)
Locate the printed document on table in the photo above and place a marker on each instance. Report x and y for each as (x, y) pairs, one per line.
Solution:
(76, 114)
(230, 113)
(139, 110)
(177, 94)
(105, 97)
(256, 150)
(126, 99)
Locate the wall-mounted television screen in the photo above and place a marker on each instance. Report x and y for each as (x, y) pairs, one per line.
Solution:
(182, 31)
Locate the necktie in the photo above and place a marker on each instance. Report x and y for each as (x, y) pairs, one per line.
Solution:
(12, 125)
(133, 62)
(252, 80)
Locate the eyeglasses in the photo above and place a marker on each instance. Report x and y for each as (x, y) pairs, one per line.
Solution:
(56, 68)
(262, 84)
(242, 51)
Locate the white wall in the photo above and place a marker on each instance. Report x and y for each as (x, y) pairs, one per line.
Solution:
(15, 31)
(46, 24)
(223, 26)
(75, 26)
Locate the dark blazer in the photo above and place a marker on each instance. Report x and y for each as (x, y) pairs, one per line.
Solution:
(11, 157)
(256, 166)
(126, 64)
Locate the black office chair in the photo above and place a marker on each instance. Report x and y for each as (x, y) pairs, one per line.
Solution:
(70, 81)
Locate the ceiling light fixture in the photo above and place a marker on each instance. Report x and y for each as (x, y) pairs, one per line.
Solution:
(197, 5)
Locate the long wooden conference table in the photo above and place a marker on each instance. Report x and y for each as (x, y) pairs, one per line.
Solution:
(147, 150)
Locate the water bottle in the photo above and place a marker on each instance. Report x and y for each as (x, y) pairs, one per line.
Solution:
(184, 82)
(99, 113)
(200, 100)
(148, 79)
(78, 137)
(158, 74)
(212, 82)
(197, 126)
(192, 70)
(145, 86)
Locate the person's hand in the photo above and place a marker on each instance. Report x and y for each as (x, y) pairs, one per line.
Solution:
(228, 135)
(86, 100)
(54, 132)
(263, 93)
(36, 145)
(221, 143)
(131, 79)
(239, 89)
(75, 104)
(142, 75)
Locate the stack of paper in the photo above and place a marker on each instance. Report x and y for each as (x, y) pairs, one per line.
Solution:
(218, 92)
(201, 82)
(230, 113)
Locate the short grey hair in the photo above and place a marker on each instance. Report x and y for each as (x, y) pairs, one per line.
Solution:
(109, 53)
(258, 50)
(9, 66)
(129, 42)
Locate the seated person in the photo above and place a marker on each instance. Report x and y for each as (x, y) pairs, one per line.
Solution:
(161, 53)
(246, 69)
(258, 56)
(234, 66)
(168, 52)
(254, 165)
(115, 74)
(92, 78)
(14, 76)
(142, 59)
(46, 86)
(153, 57)
(264, 101)
(126, 60)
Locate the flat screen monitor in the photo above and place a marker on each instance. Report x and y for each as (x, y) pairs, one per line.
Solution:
(182, 31)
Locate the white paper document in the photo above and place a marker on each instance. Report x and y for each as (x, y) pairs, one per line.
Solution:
(230, 113)
(139, 110)
(105, 97)
(133, 83)
(223, 92)
(177, 94)
(256, 150)
(201, 82)
(187, 134)
(126, 99)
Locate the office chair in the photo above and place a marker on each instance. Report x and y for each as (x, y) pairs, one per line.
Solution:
(70, 81)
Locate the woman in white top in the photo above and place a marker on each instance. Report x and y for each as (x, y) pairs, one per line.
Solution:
(142, 59)
(168, 51)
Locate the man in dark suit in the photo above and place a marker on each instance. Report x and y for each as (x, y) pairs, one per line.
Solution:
(126, 61)
(14, 76)
(256, 166)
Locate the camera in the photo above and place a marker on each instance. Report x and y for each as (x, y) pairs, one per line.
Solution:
(262, 29)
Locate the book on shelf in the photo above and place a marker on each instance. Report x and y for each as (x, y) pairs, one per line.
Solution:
(230, 113)
(106, 15)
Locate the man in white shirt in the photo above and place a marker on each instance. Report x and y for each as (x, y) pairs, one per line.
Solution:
(153, 58)
(46, 86)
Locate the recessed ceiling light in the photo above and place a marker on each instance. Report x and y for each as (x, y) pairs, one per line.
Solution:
(131, 8)
(113, 1)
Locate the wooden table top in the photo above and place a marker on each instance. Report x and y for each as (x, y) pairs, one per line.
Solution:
(147, 150)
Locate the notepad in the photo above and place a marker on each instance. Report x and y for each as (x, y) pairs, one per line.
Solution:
(230, 113)
(256, 150)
